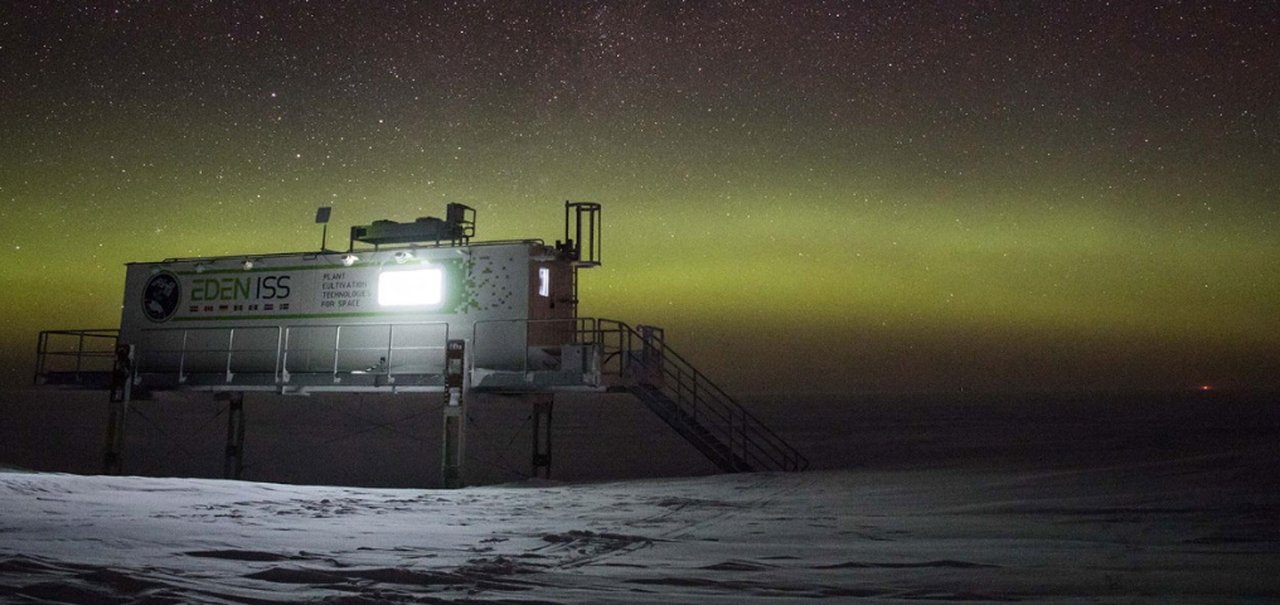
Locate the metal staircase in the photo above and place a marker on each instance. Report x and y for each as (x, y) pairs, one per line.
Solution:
(642, 364)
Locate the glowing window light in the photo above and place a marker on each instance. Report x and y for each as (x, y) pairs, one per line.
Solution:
(544, 281)
(410, 288)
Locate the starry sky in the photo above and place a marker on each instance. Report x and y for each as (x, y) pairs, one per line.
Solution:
(809, 196)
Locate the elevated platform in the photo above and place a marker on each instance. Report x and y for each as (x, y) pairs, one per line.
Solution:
(76, 358)
(592, 355)
(406, 357)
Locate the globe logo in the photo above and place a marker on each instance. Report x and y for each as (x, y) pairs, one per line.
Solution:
(161, 297)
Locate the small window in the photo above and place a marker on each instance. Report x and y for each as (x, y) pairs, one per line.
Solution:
(544, 281)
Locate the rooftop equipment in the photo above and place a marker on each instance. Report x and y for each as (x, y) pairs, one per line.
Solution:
(457, 228)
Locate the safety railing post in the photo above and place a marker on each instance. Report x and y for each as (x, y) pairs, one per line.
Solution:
(282, 352)
(337, 349)
(391, 334)
(41, 347)
(231, 345)
(79, 355)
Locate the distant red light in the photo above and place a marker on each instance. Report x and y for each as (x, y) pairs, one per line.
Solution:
(1206, 387)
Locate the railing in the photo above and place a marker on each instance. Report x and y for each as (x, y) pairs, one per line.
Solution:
(641, 358)
(213, 350)
(360, 350)
(360, 354)
(274, 354)
(509, 344)
(75, 356)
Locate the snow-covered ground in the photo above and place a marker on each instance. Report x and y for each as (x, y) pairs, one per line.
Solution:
(1193, 516)
(1161, 531)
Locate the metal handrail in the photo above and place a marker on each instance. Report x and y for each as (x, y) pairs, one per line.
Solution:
(281, 349)
(582, 331)
(45, 351)
(386, 368)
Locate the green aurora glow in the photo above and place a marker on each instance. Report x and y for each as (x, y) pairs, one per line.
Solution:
(991, 212)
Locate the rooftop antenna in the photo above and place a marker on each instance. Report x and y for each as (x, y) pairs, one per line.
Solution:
(322, 218)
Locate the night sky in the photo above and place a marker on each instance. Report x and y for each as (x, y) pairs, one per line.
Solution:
(838, 197)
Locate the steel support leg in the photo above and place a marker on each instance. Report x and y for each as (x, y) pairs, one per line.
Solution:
(455, 419)
(233, 461)
(542, 406)
(113, 456)
(118, 410)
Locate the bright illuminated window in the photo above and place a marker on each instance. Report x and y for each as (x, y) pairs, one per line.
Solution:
(544, 281)
(409, 288)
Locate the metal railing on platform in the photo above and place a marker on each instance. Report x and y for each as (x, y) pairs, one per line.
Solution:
(75, 357)
(276, 355)
(516, 345)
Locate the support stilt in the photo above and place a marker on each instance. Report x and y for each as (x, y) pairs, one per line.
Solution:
(118, 410)
(542, 406)
(454, 414)
(233, 462)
